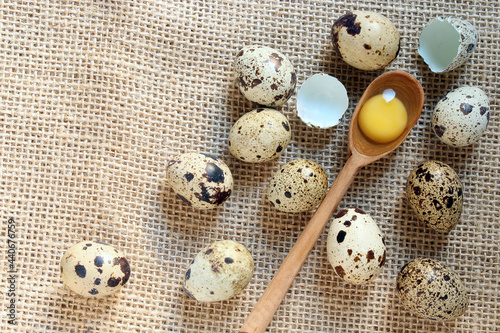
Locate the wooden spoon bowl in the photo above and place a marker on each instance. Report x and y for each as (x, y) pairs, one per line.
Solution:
(408, 91)
(362, 151)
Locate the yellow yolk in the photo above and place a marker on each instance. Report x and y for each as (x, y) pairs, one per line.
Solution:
(383, 121)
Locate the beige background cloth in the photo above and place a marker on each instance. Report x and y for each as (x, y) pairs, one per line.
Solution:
(97, 96)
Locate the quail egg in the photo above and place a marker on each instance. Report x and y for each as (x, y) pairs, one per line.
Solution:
(434, 193)
(264, 75)
(220, 271)
(94, 269)
(298, 186)
(365, 40)
(259, 136)
(355, 246)
(201, 180)
(461, 116)
(429, 289)
(446, 43)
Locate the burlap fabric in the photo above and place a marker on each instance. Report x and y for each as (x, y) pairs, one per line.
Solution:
(97, 96)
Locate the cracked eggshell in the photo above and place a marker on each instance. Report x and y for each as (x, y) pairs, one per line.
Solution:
(220, 271)
(264, 75)
(461, 116)
(429, 289)
(203, 181)
(94, 269)
(365, 40)
(322, 101)
(259, 136)
(298, 186)
(355, 246)
(435, 195)
(446, 43)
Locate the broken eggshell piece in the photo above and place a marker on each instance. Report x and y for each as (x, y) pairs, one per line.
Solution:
(446, 43)
(322, 101)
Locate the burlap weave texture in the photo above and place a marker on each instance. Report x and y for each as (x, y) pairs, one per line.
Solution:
(97, 96)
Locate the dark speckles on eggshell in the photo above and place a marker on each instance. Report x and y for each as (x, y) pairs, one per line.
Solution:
(228, 260)
(81, 271)
(439, 130)
(340, 271)
(93, 291)
(97, 281)
(214, 173)
(113, 282)
(341, 213)
(125, 269)
(98, 261)
(359, 211)
(188, 274)
(466, 108)
(189, 176)
(347, 21)
(341, 236)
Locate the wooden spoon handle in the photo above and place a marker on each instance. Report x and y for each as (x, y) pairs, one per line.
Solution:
(264, 310)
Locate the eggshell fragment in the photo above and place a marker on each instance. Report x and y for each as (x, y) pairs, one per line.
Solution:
(355, 246)
(446, 43)
(365, 40)
(259, 136)
(461, 116)
(322, 101)
(434, 193)
(429, 289)
(218, 272)
(94, 269)
(298, 186)
(203, 181)
(264, 75)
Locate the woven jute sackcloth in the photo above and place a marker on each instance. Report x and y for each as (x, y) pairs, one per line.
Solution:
(97, 96)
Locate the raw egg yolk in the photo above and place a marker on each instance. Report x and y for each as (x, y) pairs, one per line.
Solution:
(383, 117)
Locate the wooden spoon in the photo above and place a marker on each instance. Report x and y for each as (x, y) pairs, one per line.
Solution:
(362, 151)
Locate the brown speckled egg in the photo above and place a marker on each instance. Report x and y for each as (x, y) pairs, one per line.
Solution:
(203, 181)
(429, 289)
(461, 116)
(434, 193)
(94, 269)
(264, 75)
(365, 40)
(219, 272)
(298, 186)
(355, 246)
(259, 136)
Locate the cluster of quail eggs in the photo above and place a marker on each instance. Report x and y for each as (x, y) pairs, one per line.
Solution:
(355, 245)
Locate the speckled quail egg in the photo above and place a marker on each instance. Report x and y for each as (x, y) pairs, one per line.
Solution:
(461, 116)
(446, 43)
(434, 193)
(264, 75)
(365, 40)
(355, 246)
(220, 271)
(259, 136)
(201, 180)
(298, 186)
(94, 269)
(429, 289)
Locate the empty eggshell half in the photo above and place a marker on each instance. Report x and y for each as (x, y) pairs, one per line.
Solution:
(322, 101)
(446, 43)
